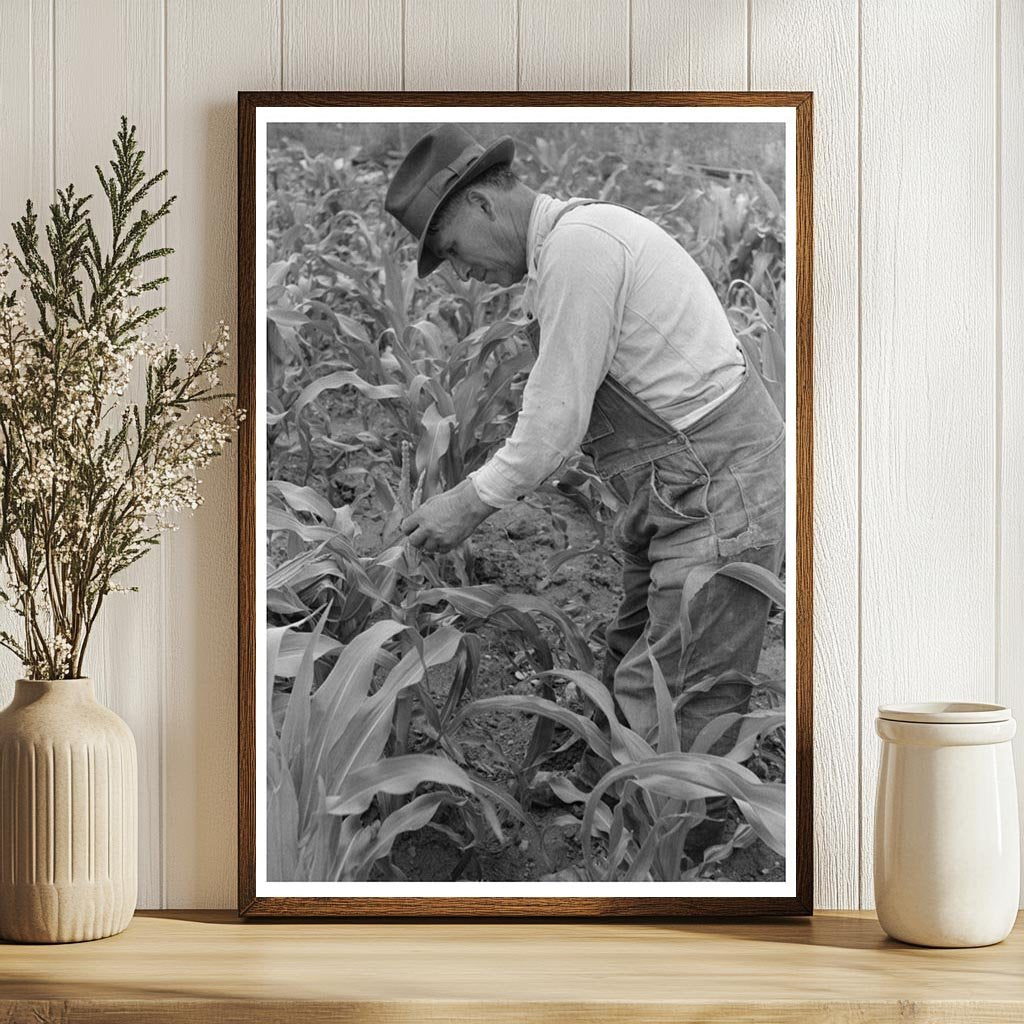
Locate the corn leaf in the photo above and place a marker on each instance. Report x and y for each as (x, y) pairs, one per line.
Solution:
(282, 828)
(754, 725)
(338, 380)
(758, 577)
(296, 716)
(626, 746)
(363, 737)
(346, 686)
(409, 818)
(668, 733)
(434, 442)
(303, 499)
(287, 317)
(296, 646)
(395, 775)
(763, 804)
(279, 519)
(582, 727)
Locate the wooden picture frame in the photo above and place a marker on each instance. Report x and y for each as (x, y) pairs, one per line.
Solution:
(256, 895)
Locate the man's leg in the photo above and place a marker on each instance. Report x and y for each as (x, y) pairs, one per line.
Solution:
(631, 618)
(728, 619)
(661, 636)
(622, 632)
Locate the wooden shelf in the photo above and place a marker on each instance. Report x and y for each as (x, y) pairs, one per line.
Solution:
(199, 967)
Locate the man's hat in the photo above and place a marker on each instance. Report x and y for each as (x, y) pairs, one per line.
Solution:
(442, 161)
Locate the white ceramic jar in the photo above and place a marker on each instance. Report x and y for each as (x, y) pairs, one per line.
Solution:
(947, 846)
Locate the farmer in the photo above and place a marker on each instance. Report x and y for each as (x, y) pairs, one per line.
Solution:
(638, 365)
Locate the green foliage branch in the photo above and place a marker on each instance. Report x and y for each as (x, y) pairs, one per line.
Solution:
(88, 477)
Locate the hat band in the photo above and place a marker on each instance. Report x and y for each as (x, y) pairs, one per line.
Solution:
(419, 210)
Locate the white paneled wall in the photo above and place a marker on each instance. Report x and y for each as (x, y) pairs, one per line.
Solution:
(1009, 318)
(928, 349)
(831, 71)
(919, 310)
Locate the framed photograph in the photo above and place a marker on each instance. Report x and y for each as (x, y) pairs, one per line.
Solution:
(525, 504)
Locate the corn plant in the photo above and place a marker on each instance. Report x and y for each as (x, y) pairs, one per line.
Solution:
(321, 569)
(760, 326)
(659, 791)
(452, 404)
(332, 810)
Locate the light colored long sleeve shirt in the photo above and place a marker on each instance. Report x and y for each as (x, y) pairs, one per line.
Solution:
(613, 293)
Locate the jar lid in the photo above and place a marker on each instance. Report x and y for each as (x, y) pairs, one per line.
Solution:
(944, 713)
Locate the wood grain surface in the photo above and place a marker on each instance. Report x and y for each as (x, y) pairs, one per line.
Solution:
(700, 44)
(479, 36)
(206, 966)
(574, 44)
(358, 42)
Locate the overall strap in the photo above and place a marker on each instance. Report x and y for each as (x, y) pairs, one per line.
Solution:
(573, 203)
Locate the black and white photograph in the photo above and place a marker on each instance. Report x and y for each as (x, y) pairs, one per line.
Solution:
(525, 503)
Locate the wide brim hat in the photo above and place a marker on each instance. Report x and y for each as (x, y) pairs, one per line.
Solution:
(444, 160)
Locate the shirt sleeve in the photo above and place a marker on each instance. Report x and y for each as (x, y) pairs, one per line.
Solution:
(581, 288)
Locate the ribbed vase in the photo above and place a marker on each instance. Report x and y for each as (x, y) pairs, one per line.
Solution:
(68, 815)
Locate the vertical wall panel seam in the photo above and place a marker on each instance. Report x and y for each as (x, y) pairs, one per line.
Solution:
(53, 98)
(997, 233)
(402, 41)
(280, 39)
(629, 44)
(519, 44)
(32, 91)
(750, 21)
(162, 696)
(860, 456)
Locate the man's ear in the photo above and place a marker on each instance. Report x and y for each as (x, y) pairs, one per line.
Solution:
(479, 198)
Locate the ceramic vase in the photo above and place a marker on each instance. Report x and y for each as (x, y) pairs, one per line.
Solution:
(68, 815)
(947, 846)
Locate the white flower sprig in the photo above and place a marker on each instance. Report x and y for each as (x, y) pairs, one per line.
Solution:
(88, 478)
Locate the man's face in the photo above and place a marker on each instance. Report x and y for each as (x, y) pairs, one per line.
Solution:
(479, 242)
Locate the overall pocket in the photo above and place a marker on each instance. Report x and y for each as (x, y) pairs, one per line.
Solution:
(599, 426)
(761, 480)
(679, 487)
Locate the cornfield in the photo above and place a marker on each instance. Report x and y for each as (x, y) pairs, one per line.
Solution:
(415, 700)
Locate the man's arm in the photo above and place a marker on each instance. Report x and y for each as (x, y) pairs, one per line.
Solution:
(446, 520)
(581, 287)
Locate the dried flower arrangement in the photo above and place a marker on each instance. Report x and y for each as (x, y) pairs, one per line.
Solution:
(89, 478)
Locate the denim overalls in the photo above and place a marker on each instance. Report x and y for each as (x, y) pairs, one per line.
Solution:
(711, 495)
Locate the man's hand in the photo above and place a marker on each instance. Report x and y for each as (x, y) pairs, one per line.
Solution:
(446, 520)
